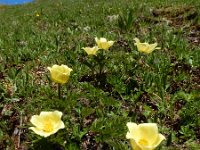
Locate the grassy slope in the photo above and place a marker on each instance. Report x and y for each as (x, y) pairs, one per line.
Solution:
(164, 91)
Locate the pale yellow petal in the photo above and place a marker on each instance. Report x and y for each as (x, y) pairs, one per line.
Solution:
(87, 50)
(136, 40)
(142, 47)
(110, 43)
(96, 39)
(59, 69)
(41, 132)
(63, 78)
(91, 50)
(36, 121)
(55, 115)
(159, 139)
(148, 132)
(146, 147)
(158, 48)
(142, 147)
(58, 113)
(134, 145)
(128, 135)
(54, 66)
(45, 113)
(105, 45)
(66, 69)
(55, 71)
(133, 131)
(152, 47)
(61, 125)
(103, 40)
(49, 68)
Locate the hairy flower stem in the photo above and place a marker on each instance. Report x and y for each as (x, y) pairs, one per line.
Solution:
(101, 67)
(59, 90)
(101, 62)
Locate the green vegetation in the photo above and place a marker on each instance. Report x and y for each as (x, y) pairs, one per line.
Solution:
(162, 87)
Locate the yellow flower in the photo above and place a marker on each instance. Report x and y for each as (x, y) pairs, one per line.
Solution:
(47, 123)
(102, 43)
(91, 50)
(60, 74)
(145, 47)
(144, 136)
(37, 14)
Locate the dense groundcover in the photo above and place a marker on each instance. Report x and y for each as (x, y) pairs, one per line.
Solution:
(120, 83)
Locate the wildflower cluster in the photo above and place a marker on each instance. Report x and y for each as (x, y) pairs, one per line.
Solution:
(144, 136)
(102, 43)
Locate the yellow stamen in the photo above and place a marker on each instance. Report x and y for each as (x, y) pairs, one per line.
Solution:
(143, 142)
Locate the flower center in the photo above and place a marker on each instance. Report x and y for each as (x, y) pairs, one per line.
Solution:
(143, 142)
(48, 127)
